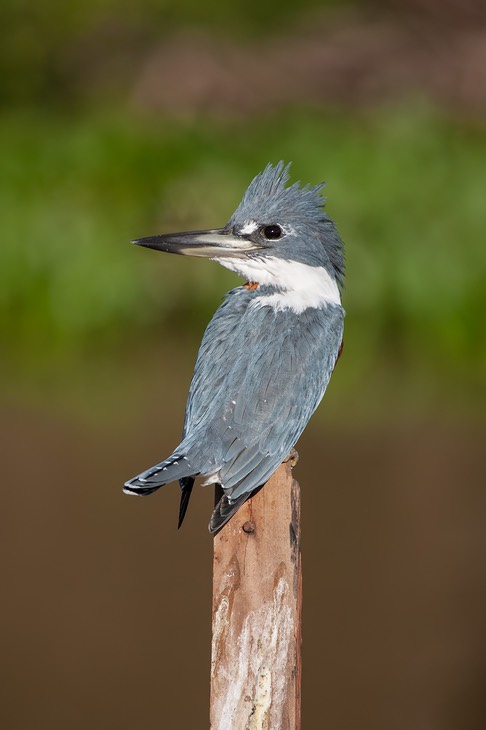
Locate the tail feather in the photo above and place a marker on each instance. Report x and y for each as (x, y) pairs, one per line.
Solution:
(226, 508)
(139, 491)
(173, 468)
(186, 489)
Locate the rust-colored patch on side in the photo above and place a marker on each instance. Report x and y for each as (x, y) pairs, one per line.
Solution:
(251, 285)
(340, 350)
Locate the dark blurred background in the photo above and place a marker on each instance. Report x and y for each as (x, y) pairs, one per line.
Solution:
(119, 120)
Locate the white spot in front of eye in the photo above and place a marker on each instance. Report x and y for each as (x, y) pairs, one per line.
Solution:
(249, 227)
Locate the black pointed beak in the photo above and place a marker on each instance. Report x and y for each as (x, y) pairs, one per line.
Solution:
(214, 243)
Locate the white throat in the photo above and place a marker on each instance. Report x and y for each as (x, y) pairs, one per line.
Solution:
(300, 286)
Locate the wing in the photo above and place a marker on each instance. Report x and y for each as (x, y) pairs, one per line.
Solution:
(217, 349)
(259, 376)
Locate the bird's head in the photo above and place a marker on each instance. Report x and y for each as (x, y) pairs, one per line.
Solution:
(273, 226)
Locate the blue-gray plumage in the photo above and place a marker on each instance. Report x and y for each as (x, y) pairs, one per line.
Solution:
(268, 353)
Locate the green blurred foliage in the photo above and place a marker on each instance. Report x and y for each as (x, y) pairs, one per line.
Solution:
(405, 187)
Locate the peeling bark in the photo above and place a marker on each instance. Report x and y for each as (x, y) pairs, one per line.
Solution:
(257, 597)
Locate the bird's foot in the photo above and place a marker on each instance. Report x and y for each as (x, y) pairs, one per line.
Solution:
(293, 457)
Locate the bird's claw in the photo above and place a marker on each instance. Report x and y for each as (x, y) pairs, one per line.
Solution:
(293, 457)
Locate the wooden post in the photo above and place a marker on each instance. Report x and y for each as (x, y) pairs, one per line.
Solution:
(257, 605)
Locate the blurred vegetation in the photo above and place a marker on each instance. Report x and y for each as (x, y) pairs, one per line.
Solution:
(83, 172)
(406, 188)
(46, 48)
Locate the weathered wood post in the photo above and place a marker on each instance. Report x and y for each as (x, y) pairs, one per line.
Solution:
(257, 606)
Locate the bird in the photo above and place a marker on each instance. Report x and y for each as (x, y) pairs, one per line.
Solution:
(268, 353)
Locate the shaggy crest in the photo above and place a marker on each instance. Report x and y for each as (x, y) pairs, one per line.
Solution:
(301, 204)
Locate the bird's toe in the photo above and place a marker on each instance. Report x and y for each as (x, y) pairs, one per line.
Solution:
(293, 457)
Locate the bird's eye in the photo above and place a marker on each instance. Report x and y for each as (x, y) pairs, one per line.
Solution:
(272, 232)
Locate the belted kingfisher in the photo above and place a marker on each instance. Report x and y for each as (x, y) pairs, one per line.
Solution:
(269, 351)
